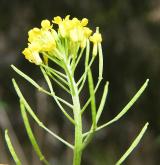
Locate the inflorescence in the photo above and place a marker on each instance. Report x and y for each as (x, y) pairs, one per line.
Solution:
(71, 35)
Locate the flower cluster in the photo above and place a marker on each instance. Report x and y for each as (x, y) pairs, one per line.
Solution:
(74, 29)
(72, 32)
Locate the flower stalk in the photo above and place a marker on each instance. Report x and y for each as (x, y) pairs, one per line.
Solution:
(78, 137)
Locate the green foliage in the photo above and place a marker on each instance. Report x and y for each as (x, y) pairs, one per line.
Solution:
(31, 135)
(11, 149)
(71, 52)
(133, 145)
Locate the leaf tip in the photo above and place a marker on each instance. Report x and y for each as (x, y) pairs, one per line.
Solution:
(147, 124)
(13, 80)
(12, 65)
(147, 80)
(6, 134)
(6, 131)
(107, 83)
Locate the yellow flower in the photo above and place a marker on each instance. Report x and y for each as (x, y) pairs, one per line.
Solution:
(73, 29)
(46, 24)
(96, 38)
(75, 22)
(86, 33)
(76, 34)
(57, 20)
(32, 56)
(84, 22)
(34, 46)
(67, 18)
(34, 34)
(65, 26)
(47, 41)
(40, 40)
(43, 42)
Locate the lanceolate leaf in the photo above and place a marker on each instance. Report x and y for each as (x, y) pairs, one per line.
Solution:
(93, 104)
(102, 103)
(133, 145)
(11, 149)
(31, 135)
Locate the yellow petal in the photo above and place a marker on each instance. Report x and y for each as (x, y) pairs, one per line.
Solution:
(96, 38)
(32, 56)
(46, 24)
(75, 22)
(67, 17)
(74, 35)
(84, 22)
(57, 20)
(33, 34)
(87, 31)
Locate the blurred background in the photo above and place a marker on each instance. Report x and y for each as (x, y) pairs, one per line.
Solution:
(131, 47)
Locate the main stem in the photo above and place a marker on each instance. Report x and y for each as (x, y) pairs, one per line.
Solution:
(78, 131)
(77, 117)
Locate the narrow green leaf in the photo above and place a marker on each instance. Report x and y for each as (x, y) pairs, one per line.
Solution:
(55, 60)
(124, 110)
(87, 66)
(65, 102)
(127, 107)
(78, 59)
(25, 103)
(33, 115)
(89, 100)
(99, 76)
(93, 104)
(83, 78)
(58, 77)
(30, 80)
(54, 96)
(26, 77)
(102, 103)
(59, 83)
(99, 112)
(133, 145)
(93, 110)
(11, 149)
(54, 71)
(30, 134)
(47, 80)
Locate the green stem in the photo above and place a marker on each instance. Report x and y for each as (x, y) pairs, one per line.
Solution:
(78, 131)
(77, 117)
